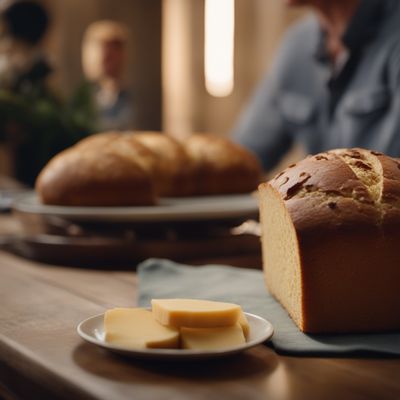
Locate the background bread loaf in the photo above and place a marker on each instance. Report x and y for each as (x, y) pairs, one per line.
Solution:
(331, 240)
(135, 168)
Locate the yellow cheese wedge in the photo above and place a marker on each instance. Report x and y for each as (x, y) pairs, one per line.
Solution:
(212, 338)
(195, 313)
(244, 324)
(136, 328)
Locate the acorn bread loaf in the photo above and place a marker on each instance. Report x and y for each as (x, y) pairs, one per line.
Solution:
(136, 168)
(331, 241)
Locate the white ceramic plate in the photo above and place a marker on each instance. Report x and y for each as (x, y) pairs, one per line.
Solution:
(168, 209)
(92, 330)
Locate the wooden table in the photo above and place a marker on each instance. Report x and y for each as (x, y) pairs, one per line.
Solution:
(41, 356)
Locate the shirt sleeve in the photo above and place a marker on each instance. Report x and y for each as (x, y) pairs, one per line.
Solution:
(387, 140)
(260, 127)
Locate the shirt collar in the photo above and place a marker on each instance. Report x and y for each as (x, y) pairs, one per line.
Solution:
(364, 24)
(363, 27)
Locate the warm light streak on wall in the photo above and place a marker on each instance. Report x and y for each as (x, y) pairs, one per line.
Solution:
(219, 32)
(177, 67)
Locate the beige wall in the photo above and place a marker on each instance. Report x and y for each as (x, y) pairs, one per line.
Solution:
(259, 26)
(176, 26)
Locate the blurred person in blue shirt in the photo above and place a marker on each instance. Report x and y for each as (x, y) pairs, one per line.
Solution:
(335, 83)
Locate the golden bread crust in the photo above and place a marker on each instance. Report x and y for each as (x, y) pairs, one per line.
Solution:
(134, 168)
(221, 166)
(96, 176)
(345, 208)
(173, 172)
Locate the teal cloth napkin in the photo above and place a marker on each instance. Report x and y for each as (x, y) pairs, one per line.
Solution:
(166, 279)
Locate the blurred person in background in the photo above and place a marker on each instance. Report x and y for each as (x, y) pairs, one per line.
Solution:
(104, 61)
(34, 123)
(335, 83)
(23, 64)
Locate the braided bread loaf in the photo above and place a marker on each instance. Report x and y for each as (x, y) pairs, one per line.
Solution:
(331, 241)
(135, 168)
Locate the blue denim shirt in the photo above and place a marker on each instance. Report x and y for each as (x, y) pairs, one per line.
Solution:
(301, 100)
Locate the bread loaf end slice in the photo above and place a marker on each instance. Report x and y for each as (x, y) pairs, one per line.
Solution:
(281, 255)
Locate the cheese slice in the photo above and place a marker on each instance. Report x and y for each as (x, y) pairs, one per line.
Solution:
(195, 313)
(136, 328)
(212, 338)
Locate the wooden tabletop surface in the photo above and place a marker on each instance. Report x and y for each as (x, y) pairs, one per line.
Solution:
(41, 355)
